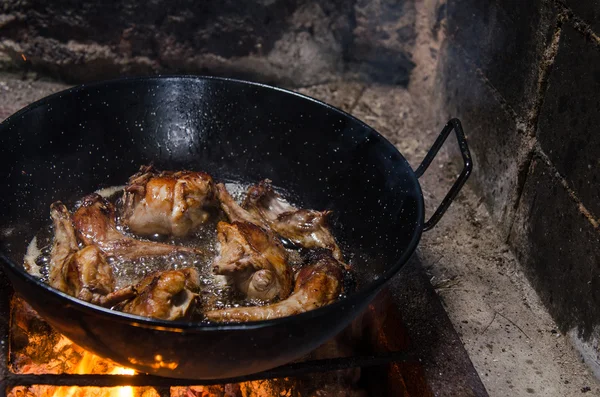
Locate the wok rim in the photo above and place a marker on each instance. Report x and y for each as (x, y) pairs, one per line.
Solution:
(367, 291)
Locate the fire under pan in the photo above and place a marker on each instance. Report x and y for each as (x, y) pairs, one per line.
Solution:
(403, 345)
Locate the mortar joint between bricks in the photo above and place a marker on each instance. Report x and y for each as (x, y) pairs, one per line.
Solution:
(495, 93)
(539, 153)
(566, 14)
(523, 172)
(544, 69)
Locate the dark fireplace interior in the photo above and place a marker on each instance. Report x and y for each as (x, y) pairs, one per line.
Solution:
(501, 298)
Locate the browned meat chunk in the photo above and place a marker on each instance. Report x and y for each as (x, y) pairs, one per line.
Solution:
(89, 276)
(95, 224)
(234, 212)
(317, 284)
(167, 203)
(263, 207)
(253, 260)
(168, 295)
(84, 273)
(64, 245)
(306, 228)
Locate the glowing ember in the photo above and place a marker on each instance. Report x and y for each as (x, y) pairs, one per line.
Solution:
(86, 366)
(53, 391)
(36, 348)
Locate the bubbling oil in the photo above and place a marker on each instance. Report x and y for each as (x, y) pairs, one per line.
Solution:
(215, 292)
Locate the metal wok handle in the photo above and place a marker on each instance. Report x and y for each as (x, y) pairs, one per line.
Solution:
(455, 125)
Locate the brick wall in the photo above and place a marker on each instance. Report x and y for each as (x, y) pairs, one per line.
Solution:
(524, 78)
(287, 42)
(522, 75)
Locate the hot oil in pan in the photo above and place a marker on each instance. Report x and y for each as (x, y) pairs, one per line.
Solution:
(215, 293)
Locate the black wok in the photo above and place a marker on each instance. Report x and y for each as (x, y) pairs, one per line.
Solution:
(92, 136)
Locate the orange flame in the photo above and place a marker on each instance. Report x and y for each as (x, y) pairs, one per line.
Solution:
(123, 391)
(86, 366)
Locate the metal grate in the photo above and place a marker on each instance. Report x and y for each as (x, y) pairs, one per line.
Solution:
(289, 370)
(10, 379)
(413, 353)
